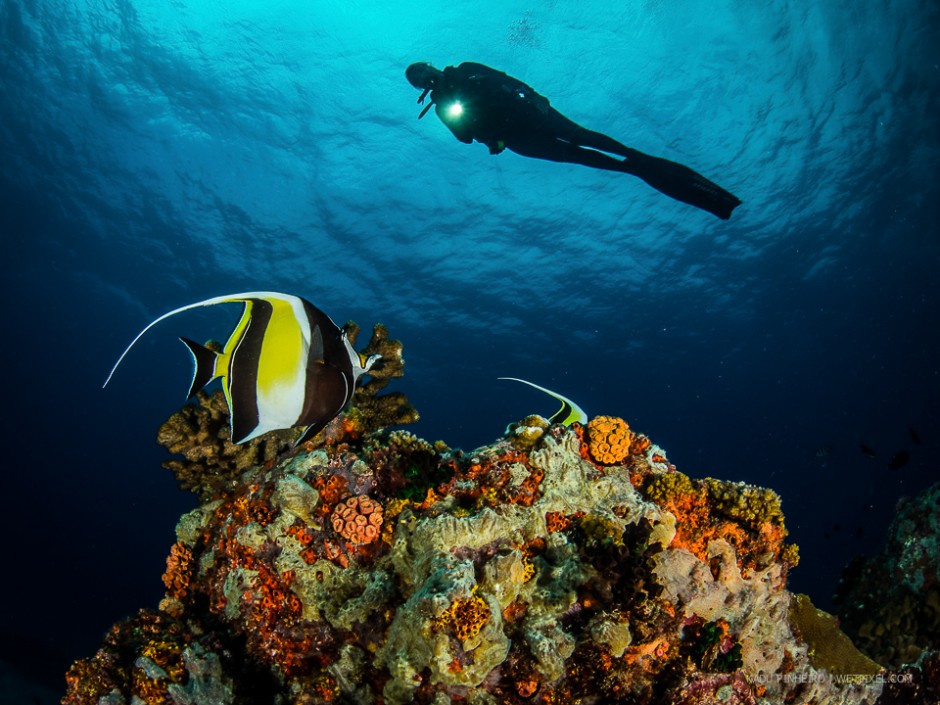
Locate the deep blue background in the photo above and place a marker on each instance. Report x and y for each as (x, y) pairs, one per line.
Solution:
(157, 154)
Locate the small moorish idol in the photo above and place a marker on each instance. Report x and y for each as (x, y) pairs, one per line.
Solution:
(569, 411)
(286, 364)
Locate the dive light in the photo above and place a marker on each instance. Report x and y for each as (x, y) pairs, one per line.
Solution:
(455, 110)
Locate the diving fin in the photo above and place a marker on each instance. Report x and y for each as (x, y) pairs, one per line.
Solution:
(681, 183)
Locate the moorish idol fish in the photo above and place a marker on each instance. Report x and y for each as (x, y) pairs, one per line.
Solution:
(569, 411)
(286, 364)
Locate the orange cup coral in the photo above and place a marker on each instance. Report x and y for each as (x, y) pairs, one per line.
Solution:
(179, 566)
(609, 439)
(358, 519)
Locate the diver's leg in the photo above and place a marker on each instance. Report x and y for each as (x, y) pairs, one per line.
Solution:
(681, 183)
(560, 151)
(675, 180)
(570, 131)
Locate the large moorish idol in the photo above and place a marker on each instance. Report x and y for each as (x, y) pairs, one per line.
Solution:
(569, 412)
(286, 364)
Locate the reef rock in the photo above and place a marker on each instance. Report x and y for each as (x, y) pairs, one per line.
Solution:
(890, 603)
(379, 568)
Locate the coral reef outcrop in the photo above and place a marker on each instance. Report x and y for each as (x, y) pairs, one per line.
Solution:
(558, 566)
(889, 604)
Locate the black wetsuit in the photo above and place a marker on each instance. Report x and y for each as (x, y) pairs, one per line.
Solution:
(503, 112)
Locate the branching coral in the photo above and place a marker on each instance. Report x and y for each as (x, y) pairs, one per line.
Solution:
(211, 463)
(381, 410)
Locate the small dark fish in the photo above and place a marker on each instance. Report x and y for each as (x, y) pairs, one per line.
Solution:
(866, 450)
(823, 451)
(914, 435)
(899, 460)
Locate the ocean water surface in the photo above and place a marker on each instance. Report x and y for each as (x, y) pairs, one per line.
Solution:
(159, 153)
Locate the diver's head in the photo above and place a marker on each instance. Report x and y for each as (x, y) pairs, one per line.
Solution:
(422, 75)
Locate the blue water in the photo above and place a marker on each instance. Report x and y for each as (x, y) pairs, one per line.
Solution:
(155, 154)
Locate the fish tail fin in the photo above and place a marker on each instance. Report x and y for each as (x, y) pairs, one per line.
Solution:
(569, 411)
(204, 360)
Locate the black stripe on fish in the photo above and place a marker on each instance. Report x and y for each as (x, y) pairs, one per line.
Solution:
(328, 391)
(329, 380)
(243, 369)
(563, 413)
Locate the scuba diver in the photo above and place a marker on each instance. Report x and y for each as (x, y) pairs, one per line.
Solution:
(478, 103)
